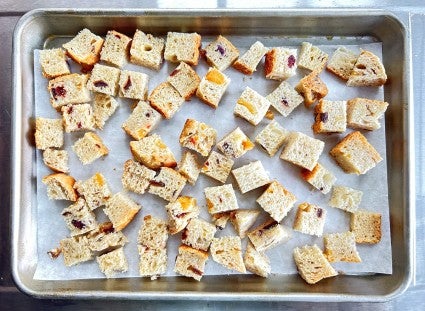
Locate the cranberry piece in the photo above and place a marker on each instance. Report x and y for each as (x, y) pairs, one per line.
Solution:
(127, 84)
(78, 224)
(284, 102)
(148, 115)
(184, 234)
(79, 125)
(319, 212)
(181, 215)
(58, 91)
(70, 109)
(175, 71)
(100, 83)
(221, 50)
(156, 183)
(207, 163)
(291, 61)
(324, 117)
(194, 270)
(107, 228)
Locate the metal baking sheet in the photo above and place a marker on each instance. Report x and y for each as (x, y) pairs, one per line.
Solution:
(357, 24)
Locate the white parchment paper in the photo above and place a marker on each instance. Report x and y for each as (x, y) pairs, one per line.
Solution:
(51, 227)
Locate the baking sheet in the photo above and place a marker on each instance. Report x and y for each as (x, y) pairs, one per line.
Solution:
(376, 258)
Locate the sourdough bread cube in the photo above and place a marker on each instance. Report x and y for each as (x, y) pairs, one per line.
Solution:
(84, 48)
(180, 212)
(198, 234)
(221, 53)
(212, 87)
(217, 166)
(121, 210)
(277, 201)
(198, 136)
(153, 261)
(185, 80)
(227, 251)
(167, 184)
(112, 262)
(235, 144)
(189, 167)
(104, 107)
(104, 79)
(166, 100)
(312, 265)
(153, 233)
(330, 116)
(182, 47)
(251, 106)
(75, 250)
(302, 150)
(320, 178)
(312, 58)
(190, 262)
(56, 160)
(105, 238)
(310, 219)
(366, 226)
(312, 88)
(115, 48)
(342, 62)
(89, 148)
(364, 114)
(368, 71)
(136, 177)
(345, 198)
(341, 247)
(147, 50)
(78, 118)
(79, 218)
(133, 84)
(268, 235)
(48, 133)
(68, 89)
(142, 120)
(221, 199)
(280, 63)
(94, 190)
(220, 219)
(256, 262)
(272, 137)
(242, 220)
(60, 186)
(152, 152)
(251, 176)
(249, 61)
(284, 98)
(355, 155)
(53, 63)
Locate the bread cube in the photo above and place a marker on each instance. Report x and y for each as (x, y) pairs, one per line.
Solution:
(48, 133)
(342, 62)
(182, 47)
(221, 199)
(190, 262)
(368, 71)
(277, 201)
(320, 178)
(221, 53)
(341, 247)
(147, 50)
(212, 87)
(104, 79)
(84, 48)
(272, 137)
(56, 160)
(180, 212)
(345, 198)
(60, 186)
(198, 136)
(167, 184)
(363, 113)
(268, 235)
(251, 176)
(256, 262)
(220, 219)
(227, 251)
(166, 100)
(153, 233)
(142, 120)
(104, 107)
(284, 98)
(68, 89)
(302, 150)
(217, 166)
(136, 177)
(312, 58)
(235, 144)
(330, 116)
(94, 190)
(312, 88)
(89, 148)
(249, 61)
(153, 261)
(355, 155)
(79, 218)
(152, 152)
(105, 237)
(198, 234)
(310, 219)
(133, 84)
(251, 106)
(366, 226)
(75, 250)
(121, 210)
(185, 80)
(189, 167)
(281, 63)
(115, 48)
(112, 262)
(78, 118)
(53, 63)
(312, 265)
(242, 220)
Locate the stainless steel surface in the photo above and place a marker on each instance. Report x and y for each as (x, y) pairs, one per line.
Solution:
(36, 27)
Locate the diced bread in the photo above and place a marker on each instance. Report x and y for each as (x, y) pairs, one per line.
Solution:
(368, 71)
(153, 233)
(284, 98)
(221, 53)
(330, 117)
(320, 178)
(189, 167)
(153, 261)
(69, 89)
(89, 148)
(53, 63)
(312, 58)
(277, 201)
(235, 144)
(364, 114)
(142, 120)
(217, 166)
(243, 219)
(220, 199)
(136, 177)
(310, 219)
(251, 106)
(251, 176)
(198, 136)
(56, 160)
(167, 184)
(78, 118)
(342, 62)
(185, 80)
(227, 251)
(190, 262)
(79, 218)
(104, 79)
(280, 63)
(180, 212)
(212, 87)
(147, 50)
(112, 262)
(312, 88)
(182, 47)
(60, 187)
(220, 219)
(341, 247)
(366, 226)
(272, 137)
(268, 235)
(166, 100)
(115, 48)
(48, 133)
(256, 262)
(105, 238)
(104, 107)
(75, 250)
(345, 198)
(133, 84)
(198, 234)
(249, 61)
(121, 210)
(94, 190)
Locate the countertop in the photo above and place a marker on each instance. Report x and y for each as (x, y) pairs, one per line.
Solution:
(12, 299)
